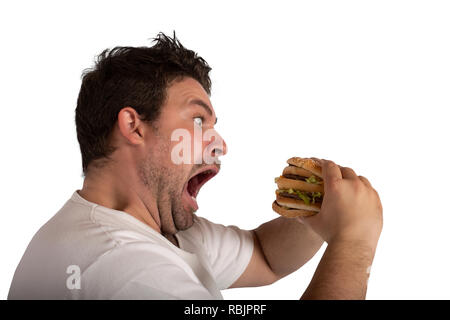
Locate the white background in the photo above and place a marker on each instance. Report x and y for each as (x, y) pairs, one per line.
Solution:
(364, 83)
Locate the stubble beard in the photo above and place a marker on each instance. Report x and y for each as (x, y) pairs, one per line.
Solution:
(166, 183)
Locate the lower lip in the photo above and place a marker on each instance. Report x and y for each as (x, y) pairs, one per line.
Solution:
(187, 199)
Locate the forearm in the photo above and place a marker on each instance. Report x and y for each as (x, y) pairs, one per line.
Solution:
(343, 272)
(287, 244)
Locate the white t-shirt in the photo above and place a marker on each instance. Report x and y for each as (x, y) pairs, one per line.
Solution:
(87, 251)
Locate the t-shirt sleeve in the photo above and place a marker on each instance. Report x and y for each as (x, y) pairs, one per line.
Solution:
(229, 250)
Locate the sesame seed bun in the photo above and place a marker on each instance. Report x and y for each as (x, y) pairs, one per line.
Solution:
(307, 164)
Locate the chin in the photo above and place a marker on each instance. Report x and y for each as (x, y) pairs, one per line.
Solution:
(184, 221)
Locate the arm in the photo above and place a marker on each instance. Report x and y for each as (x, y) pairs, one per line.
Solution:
(287, 244)
(342, 273)
(350, 221)
(281, 246)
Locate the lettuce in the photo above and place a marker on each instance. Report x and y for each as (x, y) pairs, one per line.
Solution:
(316, 195)
(313, 180)
(304, 197)
(307, 197)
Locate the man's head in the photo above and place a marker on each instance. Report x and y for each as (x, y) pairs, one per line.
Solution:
(129, 107)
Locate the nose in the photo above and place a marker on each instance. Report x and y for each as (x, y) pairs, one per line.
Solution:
(215, 144)
(220, 149)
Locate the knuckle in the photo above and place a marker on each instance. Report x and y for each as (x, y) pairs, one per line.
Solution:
(348, 169)
(376, 195)
(332, 184)
(330, 163)
(358, 185)
(380, 206)
(376, 192)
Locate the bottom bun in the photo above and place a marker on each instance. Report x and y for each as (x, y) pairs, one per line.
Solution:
(291, 213)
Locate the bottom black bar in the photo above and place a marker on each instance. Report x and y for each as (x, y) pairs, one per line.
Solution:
(229, 309)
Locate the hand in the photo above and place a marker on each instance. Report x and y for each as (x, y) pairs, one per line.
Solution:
(351, 209)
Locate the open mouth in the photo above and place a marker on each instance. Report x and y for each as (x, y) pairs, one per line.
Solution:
(197, 181)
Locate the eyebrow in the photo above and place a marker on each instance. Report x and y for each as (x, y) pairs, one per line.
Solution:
(204, 105)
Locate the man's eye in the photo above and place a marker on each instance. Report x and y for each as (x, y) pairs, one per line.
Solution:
(198, 121)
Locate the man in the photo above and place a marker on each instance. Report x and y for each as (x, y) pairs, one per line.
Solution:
(131, 232)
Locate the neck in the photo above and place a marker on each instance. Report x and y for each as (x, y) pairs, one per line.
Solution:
(110, 188)
(172, 239)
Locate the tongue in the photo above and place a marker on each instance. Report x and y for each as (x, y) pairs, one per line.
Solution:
(192, 186)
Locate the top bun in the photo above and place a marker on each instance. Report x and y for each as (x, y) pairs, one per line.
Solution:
(307, 164)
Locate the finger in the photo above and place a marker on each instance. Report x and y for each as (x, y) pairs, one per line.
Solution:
(330, 171)
(365, 181)
(348, 173)
(318, 160)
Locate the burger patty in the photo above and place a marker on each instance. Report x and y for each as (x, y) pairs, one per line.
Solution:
(294, 176)
(295, 196)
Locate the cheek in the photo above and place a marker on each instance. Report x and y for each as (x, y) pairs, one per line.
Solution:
(187, 145)
(161, 152)
(197, 145)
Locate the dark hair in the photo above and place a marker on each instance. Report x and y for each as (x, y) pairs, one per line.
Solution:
(137, 77)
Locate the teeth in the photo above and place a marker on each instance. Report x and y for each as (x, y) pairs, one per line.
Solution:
(193, 198)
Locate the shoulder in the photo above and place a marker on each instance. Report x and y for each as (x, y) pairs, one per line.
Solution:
(214, 237)
(202, 229)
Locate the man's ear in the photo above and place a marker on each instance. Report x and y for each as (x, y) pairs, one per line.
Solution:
(130, 126)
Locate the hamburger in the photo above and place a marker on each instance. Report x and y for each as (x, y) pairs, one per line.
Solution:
(300, 188)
